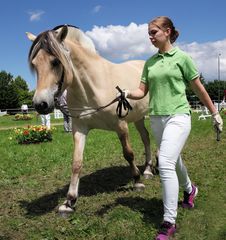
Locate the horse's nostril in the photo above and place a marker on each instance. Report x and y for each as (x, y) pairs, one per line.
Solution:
(44, 105)
(41, 106)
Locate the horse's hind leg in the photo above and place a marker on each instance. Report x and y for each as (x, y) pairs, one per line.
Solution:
(128, 154)
(146, 141)
(72, 195)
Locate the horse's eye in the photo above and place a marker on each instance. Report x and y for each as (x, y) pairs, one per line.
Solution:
(55, 63)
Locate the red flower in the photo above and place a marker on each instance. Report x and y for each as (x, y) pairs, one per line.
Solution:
(26, 132)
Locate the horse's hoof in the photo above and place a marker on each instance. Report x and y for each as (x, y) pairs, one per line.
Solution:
(65, 210)
(148, 175)
(139, 187)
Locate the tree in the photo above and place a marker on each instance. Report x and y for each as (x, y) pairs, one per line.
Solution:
(8, 95)
(216, 89)
(13, 92)
(22, 91)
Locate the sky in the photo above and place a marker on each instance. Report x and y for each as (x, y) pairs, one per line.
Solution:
(118, 29)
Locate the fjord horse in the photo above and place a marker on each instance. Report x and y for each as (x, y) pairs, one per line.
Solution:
(65, 58)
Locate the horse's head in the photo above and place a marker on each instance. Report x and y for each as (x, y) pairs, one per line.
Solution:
(50, 59)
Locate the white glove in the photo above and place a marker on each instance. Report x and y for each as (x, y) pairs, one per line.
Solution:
(124, 92)
(217, 121)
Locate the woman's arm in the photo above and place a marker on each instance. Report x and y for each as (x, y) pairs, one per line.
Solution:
(202, 94)
(138, 93)
(204, 97)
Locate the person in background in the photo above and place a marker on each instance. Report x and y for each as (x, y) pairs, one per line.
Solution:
(165, 76)
(45, 120)
(24, 109)
(66, 115)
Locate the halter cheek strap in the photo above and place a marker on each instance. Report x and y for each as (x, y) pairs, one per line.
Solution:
(56, 97)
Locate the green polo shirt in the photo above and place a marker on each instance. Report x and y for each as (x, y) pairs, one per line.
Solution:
(166, 76)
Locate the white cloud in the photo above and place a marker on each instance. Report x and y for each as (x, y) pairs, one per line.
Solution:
(120, 43)
(206, 57)
(96, 9)
(35, 15)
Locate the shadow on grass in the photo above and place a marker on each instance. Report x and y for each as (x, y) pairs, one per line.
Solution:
(151, 209)
(106, 180)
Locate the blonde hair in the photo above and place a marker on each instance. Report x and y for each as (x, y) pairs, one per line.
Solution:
(163, 23)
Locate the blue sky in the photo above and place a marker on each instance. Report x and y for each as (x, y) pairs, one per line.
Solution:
(201, 25)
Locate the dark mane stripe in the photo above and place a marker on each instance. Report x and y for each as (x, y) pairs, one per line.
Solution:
(60, 26)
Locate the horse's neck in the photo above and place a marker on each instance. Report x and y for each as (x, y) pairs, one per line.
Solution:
(86, 77)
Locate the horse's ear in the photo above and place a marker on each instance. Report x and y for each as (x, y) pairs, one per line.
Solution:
(31, 36)
(61, 35)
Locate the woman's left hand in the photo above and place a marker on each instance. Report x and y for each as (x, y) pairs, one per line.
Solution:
(217, 121)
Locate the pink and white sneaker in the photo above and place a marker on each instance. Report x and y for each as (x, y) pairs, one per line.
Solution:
(189, 199)
(166, 231)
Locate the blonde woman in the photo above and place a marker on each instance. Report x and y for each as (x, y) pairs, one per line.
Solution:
(165, 76)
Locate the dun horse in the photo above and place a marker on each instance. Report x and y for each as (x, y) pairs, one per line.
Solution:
(65, 58)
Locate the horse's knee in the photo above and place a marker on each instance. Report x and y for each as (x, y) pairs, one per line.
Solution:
(76, 167)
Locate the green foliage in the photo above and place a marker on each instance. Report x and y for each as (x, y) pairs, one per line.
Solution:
(22, 91)
(13, 92)
(8, 96)
(214, 88)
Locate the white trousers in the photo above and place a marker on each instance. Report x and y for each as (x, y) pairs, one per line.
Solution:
(45, 119)
(171, 133)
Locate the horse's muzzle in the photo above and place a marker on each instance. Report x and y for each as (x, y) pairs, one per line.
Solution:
(43, 107)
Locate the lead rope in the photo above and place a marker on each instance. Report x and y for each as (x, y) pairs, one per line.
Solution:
(122, 103)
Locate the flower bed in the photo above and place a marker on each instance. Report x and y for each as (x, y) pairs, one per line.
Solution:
(33, 134)
(23, 117)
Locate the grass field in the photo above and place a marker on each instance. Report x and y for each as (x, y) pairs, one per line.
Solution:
(8, 121)
(34, 181)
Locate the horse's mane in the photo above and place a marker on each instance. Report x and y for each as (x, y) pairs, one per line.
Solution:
(76, 35)
(48, 42)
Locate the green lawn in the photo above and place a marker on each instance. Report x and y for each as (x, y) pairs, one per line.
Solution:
(34, 181)
(8, 121)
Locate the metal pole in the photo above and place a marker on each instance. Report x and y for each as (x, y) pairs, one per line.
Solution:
(218, 132)
(219, 81)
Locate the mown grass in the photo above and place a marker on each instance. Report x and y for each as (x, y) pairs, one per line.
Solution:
(8, 121)
(34, 181)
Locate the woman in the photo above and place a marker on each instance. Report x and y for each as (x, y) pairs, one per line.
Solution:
(165, 76)
(66, 114)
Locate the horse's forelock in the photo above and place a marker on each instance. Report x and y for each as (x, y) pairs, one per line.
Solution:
(38, 44)
(49, 43)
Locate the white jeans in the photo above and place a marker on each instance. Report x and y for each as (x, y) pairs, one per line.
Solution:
(171, 133)
(45, 119)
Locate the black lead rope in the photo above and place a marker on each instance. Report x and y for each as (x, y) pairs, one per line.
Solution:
(122, 102)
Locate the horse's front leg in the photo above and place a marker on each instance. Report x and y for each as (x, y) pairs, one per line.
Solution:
(72, 195)
(128, 155)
